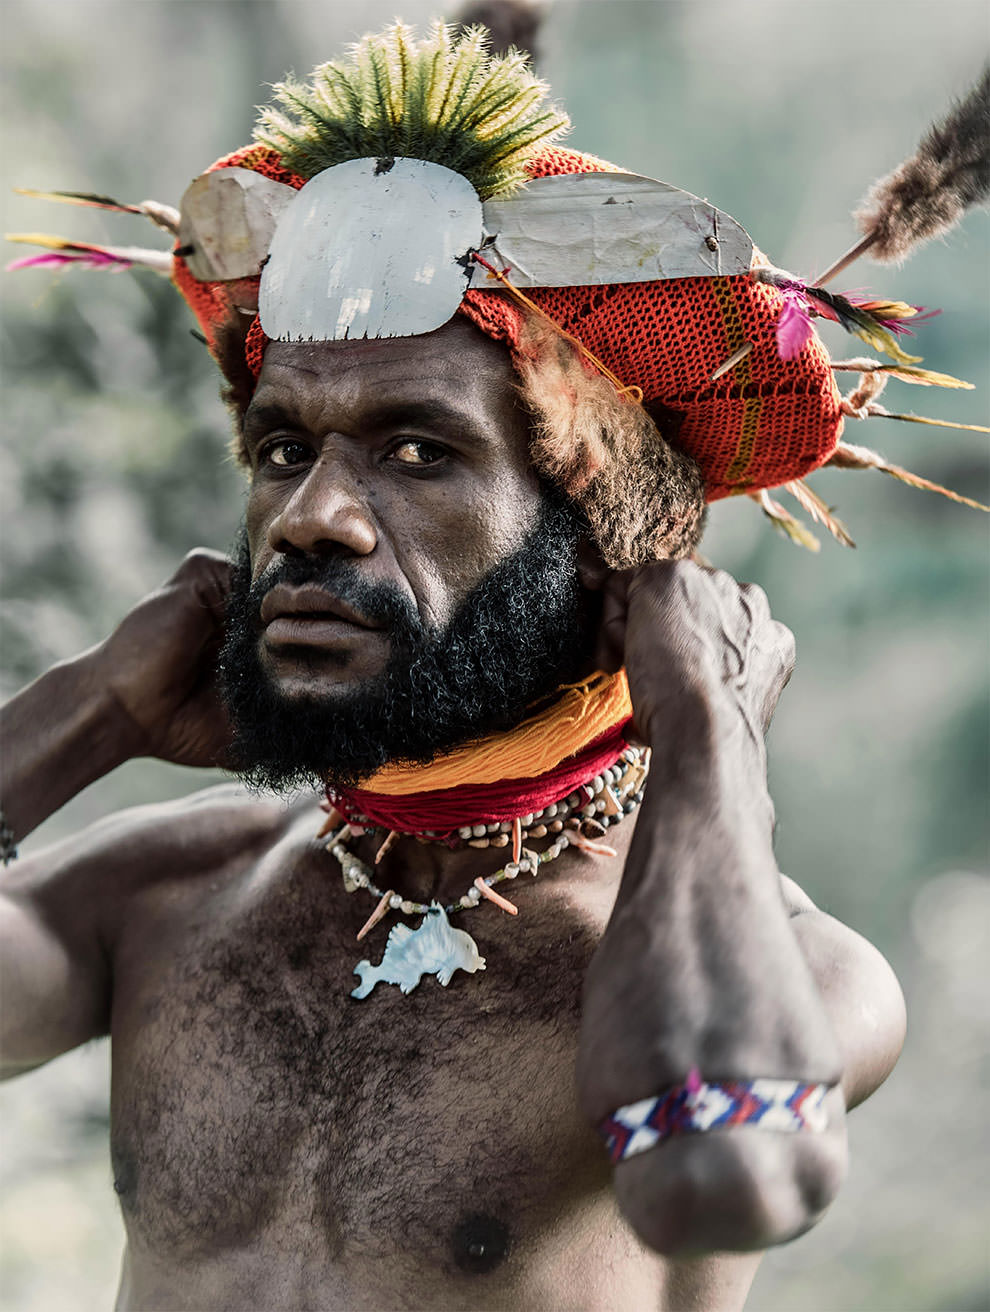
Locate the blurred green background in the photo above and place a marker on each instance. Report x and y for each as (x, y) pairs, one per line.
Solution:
(115, 464)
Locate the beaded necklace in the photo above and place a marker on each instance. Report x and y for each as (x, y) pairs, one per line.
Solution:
(580, 820)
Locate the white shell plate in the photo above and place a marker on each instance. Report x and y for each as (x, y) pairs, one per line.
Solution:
(370, 248)
(594, 228)
(229, 217)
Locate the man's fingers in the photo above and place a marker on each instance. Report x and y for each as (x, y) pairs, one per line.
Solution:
(611, 644)
(199, 560)
(757, 601)
(787, 647)
(208, 573)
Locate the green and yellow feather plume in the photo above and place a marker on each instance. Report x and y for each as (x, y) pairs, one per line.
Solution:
(445, 99)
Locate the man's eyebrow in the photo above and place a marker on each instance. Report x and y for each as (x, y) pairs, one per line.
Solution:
(426, 414)
(261, 417)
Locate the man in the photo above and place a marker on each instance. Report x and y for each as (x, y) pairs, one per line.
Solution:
(424, 579)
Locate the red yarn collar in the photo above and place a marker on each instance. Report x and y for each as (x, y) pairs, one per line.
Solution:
(447, 809)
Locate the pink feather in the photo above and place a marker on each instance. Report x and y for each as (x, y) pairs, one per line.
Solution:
(56, 259)
(793, 325)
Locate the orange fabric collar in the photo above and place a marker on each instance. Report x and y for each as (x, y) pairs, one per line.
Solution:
(582, 713)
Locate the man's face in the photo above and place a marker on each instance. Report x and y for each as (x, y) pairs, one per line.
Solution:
(405, 581)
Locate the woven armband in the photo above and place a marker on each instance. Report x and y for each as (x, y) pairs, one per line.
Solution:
(694, 1107)
(8, 843)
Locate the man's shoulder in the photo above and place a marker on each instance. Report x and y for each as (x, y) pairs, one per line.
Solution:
(202, 830)
(209, 833)
(221, 804)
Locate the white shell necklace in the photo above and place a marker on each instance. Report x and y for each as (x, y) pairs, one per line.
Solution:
(435, 947)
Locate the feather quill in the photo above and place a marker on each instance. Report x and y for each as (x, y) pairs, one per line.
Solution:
(847, 456)
(59, 252)
(785, 522)
(930, 191)
(874, 410)
(905, 372)
(164, 216)
(819, 511)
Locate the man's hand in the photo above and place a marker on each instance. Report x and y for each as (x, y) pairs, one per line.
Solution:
(159, 665)
(700, 914)
(685, 633)
(698, 967)
(148, 690)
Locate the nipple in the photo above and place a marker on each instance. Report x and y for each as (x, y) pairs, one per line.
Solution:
(480, 1243)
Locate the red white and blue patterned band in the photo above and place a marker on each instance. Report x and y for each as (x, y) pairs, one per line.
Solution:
(694, 1107)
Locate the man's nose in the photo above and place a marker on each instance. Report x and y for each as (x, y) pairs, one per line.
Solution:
(327, 512)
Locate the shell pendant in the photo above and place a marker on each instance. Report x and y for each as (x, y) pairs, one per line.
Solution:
(435, 947)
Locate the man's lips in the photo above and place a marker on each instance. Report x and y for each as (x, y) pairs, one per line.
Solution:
(309, 602)
(311, 616)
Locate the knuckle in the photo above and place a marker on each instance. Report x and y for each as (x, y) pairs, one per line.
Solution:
(201, 558)
(755, 593)
(723, 580)
(757, 600)
(786, 642)
(202, 567)
(656, 577)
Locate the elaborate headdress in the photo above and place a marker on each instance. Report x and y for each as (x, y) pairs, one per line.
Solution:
(418, 179)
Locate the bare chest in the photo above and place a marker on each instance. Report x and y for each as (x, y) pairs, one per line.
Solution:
(253, 1096)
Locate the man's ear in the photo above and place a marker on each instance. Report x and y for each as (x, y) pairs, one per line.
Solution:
(592, 570)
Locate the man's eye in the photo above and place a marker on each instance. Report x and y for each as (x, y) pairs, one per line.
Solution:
(417, 453)
(284, 454)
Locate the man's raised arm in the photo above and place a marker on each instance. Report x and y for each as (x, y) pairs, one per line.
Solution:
(147, 690)
(702, 975)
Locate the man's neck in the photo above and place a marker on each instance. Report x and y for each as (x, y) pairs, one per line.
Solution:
(424, 872)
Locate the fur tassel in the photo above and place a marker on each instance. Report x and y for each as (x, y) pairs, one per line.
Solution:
(847, 456)
(930, 192)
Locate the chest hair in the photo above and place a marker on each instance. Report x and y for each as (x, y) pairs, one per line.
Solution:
(252, 1093)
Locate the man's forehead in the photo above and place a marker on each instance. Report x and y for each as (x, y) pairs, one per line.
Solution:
(456, 347)
(456, 364)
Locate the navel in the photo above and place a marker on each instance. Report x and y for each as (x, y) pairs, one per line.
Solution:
(480, 1243)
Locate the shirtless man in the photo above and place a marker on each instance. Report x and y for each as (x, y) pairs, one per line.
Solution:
(278, 1144)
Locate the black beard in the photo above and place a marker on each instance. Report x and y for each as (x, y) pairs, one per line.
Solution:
(520, 633)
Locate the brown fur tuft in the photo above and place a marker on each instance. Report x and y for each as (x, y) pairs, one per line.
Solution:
(643, 499)
(239, 381)
(929, 193)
